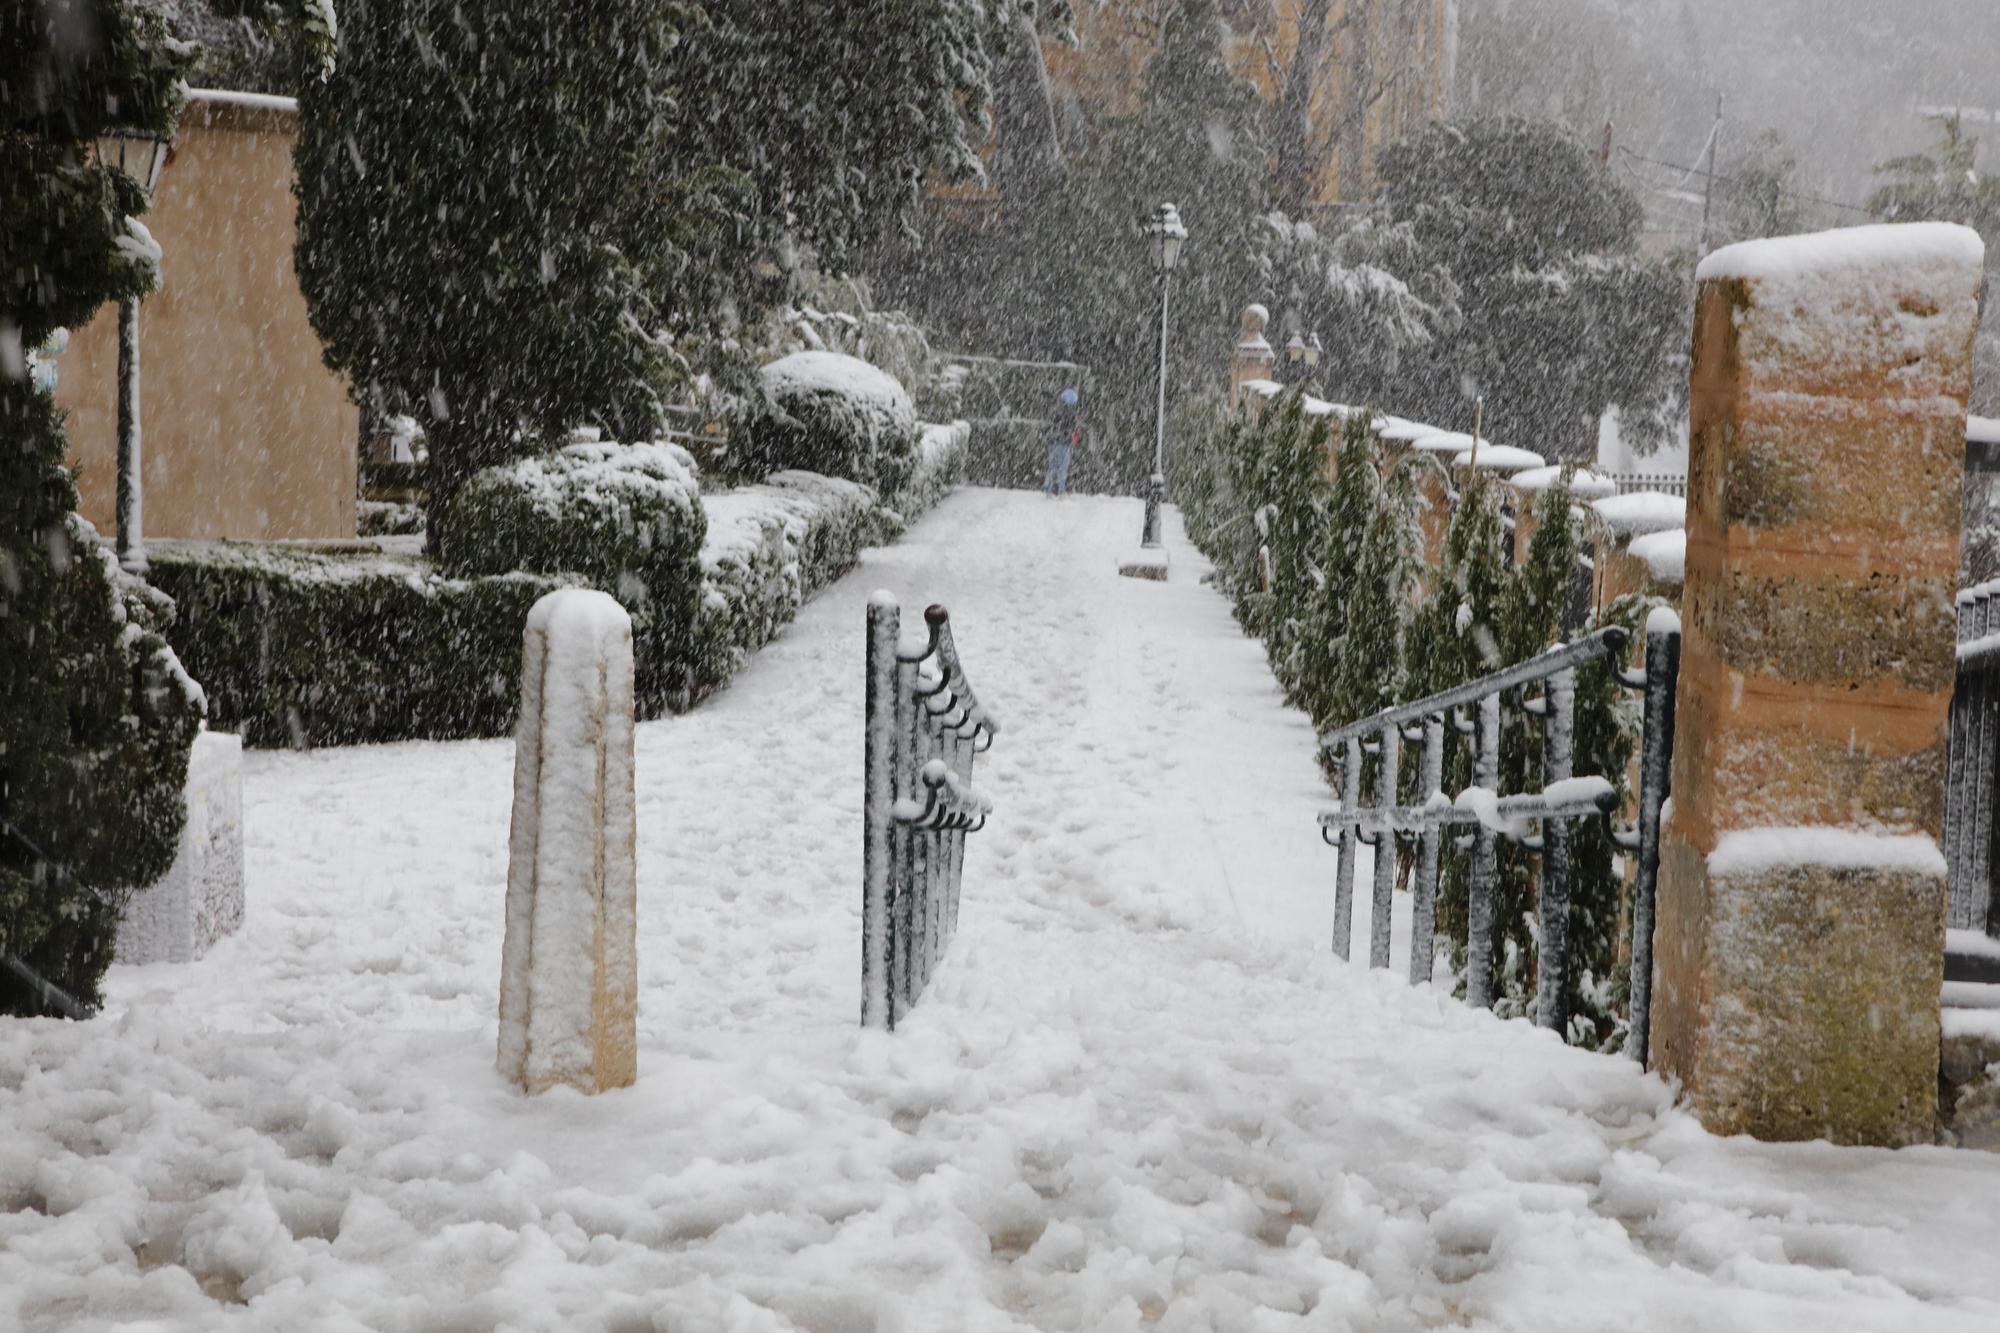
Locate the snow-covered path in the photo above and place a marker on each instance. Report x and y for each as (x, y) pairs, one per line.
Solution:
(1140, 1093)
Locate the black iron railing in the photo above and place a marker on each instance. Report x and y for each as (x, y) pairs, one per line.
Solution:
(1970, 788)
(924, 728)
(1474, 710)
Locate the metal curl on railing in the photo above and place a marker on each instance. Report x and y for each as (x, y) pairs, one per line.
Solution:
(925, 727)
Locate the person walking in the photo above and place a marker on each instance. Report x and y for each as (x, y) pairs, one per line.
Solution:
(1065, 433)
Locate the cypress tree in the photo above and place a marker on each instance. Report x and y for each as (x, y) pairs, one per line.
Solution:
(1455, 638)
(96, 716)
(1369, 673)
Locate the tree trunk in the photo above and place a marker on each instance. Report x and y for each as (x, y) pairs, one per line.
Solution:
(1298, 162)
(1357, 94)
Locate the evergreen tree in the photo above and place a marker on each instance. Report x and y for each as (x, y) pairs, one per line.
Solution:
(1291, 495)
(1561, 316)
(96, 716)
(1351, 510)
(1454, 638)
(1068, 278)
(1534, 615)
(1369, 673)
(477, 217)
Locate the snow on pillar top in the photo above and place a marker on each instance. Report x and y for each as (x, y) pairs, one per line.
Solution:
(1862, 312)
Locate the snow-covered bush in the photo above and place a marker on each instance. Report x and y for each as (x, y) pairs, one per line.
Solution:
(834, 415)
(372, 641)
(624, 518)
(771, 549)
(340, 645)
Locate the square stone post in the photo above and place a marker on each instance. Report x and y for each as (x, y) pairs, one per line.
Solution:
(1800, 940)
(1253, 357)
(569, 973)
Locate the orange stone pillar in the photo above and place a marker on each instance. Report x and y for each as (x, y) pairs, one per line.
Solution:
(1800, 939)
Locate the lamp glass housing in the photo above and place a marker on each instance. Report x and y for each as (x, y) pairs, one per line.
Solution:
(140, 154)
(1167, 236)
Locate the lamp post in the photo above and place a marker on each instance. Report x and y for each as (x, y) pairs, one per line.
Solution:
(139, 155)
(1166, 236)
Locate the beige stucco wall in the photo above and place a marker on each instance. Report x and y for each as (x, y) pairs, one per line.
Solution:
(246, 433)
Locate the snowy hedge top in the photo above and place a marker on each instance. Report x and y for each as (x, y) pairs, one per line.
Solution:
(1921, 245)
(1396, 428)
(1982, 430)
(1583, 484)
(1448, 442)
(1639, 512)
(1665, 554)
(848, 377)
(659, 471)
(1503, 458)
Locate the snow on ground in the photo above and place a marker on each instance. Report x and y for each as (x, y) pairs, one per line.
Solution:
(1141, 1094)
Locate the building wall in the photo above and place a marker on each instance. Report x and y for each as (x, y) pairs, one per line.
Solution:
(1409, 58)
(246, 433)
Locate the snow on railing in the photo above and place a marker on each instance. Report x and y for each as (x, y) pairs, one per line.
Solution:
(924, 728)
(1563, 797)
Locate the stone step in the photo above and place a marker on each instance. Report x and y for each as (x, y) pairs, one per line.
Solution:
(1971, 958)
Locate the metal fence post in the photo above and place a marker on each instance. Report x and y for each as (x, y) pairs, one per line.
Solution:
(904, 865)
(1969, 907)
(1387, 764)
(1656, 756)
(878, 824)
(1423, 905)
(1343, 875)
(1957, 771)
(1485, 871)
(1558, 760)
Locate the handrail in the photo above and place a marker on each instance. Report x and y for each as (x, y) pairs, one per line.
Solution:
(1562, 799)
(1610, 641)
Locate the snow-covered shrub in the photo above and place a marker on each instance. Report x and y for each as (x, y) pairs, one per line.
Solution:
(771, 549)
(624, 518)
(834, 415)
(340, 645)
(940, 465)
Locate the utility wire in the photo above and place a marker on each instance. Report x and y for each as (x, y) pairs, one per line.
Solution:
(1732, 180)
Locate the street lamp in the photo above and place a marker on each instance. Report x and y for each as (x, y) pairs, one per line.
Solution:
(140, 155)
(1166, 236)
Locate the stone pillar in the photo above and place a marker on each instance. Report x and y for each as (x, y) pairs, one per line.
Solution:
(1253, 358)
(1800, 939)
(569, 968)
(200, 899)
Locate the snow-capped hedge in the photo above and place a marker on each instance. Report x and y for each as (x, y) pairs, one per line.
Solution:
(345, 643)
(771, 548)
(836, 415)
(626, 518)
(341, 643)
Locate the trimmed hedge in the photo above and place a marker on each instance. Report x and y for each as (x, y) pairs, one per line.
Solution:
(349, 642)
(344, 643)
(626, 518)
(771, 549)
(835, 415)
